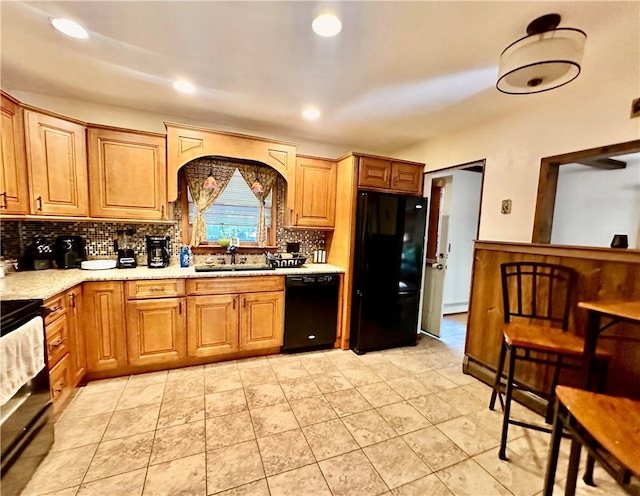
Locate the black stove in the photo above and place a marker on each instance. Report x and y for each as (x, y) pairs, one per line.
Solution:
(14, 313)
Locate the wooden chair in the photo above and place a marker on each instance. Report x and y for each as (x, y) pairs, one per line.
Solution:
(608, 426)
(537, 299)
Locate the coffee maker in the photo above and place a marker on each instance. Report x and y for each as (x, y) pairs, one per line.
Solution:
(69, 251)
(158, 254)
(124, 248)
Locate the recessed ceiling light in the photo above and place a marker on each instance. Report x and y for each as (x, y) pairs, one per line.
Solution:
(326, 25)
(311, 114)
(184, 86)
(70, 28)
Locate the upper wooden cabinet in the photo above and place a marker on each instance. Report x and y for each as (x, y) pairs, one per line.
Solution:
(396, 177)
(127, 174)
(14, 196)
(315, 192)
(57, 162)
(185, 143)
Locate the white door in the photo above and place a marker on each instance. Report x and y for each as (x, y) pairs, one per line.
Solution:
(436, 257)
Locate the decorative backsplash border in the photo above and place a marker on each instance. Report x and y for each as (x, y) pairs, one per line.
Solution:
(15, 235)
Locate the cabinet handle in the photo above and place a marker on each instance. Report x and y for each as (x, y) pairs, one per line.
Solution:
(244, 302)
(4, 200)
(234, 303)
(162, 210)
(72, 297)
(297, 216)
(39, 203)
(56, 309)
(156, 288)
(56, 343)
(59, 388)
(180, 308)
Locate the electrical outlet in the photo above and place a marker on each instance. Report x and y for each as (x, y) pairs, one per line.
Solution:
(635, 108)
(506, 207)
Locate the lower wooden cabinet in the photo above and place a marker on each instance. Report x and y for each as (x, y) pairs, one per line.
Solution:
(261, 320)
(104, 325)
(66, 356)
(60, 382)
(229, 323)
(156, 331)
(212, 325)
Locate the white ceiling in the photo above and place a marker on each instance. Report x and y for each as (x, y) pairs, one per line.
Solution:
(397, 74)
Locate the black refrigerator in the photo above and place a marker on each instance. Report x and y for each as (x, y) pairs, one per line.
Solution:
(387, 270)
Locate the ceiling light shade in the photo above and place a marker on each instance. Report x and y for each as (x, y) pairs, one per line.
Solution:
(70, 28)
(210, 182)
(184, 87)
(256, 187)
(326, 25)
(543, 60)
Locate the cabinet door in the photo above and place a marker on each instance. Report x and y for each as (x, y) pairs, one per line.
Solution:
(57, 160)
(315, 196)
(374, 173)
(78, 352)
(127, 175)
(104, 325)
(407, 177)
(261, 320)
(156, 331)
(57, 340)
(212, 325)
(14, 197)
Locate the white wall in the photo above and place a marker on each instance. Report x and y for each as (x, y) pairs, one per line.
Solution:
(592, 111)
(594, 204)
(464, 193)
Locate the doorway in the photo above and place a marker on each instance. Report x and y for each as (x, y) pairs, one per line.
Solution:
(452, 226)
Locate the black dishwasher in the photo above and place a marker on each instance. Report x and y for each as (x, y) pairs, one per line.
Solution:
(310, 312)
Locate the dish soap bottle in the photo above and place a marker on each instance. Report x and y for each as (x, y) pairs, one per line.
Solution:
(185, 256)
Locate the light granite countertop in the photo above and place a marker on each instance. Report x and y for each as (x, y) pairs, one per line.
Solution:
(47, 283)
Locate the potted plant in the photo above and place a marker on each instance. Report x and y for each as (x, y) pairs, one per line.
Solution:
(224, 240)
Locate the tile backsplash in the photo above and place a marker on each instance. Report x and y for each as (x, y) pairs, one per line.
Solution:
(15, 235)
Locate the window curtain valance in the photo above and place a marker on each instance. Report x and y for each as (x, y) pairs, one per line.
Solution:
(196, 172)
(267, 177)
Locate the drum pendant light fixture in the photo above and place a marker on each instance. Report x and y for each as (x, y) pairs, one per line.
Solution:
(548, 57)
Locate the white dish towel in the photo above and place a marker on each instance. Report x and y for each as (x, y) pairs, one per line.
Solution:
(21, 357)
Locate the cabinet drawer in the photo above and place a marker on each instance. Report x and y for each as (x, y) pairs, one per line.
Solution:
(57, 340)
(60, 380)
(222, 285)
(57, 306)
(158, 288)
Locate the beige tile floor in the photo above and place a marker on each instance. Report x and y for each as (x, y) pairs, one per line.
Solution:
(402, 422)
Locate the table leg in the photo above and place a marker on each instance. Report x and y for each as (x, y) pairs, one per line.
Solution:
(590, 341)
(554, 449)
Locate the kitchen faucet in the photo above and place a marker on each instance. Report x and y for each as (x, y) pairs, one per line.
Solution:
(231, 250)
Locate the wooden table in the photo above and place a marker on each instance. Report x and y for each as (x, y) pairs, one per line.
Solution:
(617, 311)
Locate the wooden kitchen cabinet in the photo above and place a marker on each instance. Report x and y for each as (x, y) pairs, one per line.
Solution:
(66, 356)
(57, 165)
(14, 195)
(127, 174)
(315, 193)
(104, 323)
(156, 330)
(261, 320)
(212, 325)
(389, 175)
(235, 314)
(78, 352)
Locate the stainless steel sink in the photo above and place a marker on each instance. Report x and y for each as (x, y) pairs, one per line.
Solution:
(232, 268)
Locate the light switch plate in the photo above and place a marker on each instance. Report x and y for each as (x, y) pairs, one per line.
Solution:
(506, 207)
